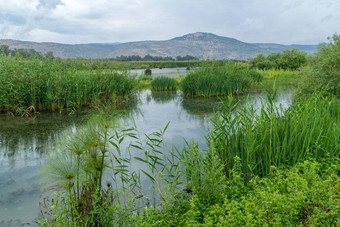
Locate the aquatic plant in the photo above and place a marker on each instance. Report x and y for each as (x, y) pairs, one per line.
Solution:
(212, 79)
(272, 136)
(43, 84)
(164, 83)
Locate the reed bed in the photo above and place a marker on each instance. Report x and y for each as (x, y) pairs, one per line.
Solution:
(273, 136)
(214, 79)
(47, 85)
(164, 83)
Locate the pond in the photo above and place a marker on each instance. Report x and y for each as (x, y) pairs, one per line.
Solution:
(25, 142)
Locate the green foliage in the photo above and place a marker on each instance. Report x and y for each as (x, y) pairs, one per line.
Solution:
(287, 60)
(305, 195)
(323, 70)
(213, 79)
(45, 84)
(164, 83)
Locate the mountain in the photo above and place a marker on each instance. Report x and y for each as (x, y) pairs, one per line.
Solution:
(199, 44)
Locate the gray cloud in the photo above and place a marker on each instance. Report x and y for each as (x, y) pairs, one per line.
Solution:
(49, 4)
(12, 19)
(83, 21)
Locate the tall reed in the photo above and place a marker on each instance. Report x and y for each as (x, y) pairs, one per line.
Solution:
(40, 84)
(273, 136)
(212, 79)
(164, 83)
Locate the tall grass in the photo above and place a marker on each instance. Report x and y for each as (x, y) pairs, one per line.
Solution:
(274, 136)
(46, 84)
(164, 83)
(212, 79)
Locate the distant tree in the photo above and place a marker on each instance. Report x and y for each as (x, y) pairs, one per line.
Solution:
(288, 59)
(4, 50)
(49, 55)
(186, 58)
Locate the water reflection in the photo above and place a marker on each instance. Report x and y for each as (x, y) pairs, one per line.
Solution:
(170, 72)
(161, 97)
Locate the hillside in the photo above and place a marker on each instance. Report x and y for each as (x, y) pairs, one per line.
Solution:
(201, 45)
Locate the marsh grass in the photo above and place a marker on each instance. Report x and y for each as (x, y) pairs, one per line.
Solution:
(164, 83)
(272, 136)
(279, 77)
(43, 84)
(212, 79)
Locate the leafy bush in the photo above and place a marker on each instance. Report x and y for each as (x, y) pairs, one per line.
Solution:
(323, 70)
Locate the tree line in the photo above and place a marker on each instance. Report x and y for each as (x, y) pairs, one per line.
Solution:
(149, 57)
(25, 53)
(288, 59)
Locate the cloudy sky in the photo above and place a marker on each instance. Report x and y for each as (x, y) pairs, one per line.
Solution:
(88, 21)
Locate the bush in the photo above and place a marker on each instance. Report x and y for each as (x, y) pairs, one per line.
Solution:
(323, 70)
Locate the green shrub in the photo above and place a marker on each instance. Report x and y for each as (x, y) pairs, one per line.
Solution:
(323, 70)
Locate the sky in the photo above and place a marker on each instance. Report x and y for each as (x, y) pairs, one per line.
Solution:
(108, 21)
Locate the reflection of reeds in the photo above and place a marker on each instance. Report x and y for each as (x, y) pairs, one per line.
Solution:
(163, 97)
(212, 79)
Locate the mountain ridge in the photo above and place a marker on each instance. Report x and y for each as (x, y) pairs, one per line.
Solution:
(199, 44)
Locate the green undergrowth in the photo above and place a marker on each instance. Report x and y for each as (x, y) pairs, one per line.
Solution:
(279, 77)
(212, 79)
(306, 194)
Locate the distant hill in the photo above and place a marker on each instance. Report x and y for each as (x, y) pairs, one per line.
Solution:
(199, 44)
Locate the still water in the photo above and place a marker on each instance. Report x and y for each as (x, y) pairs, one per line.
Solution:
(25, 142)
(169, 72)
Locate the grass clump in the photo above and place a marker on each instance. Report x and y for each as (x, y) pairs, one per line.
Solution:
(212, 79)
(164, 83)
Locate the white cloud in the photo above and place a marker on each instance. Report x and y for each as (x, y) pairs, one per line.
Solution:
(83, 21)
